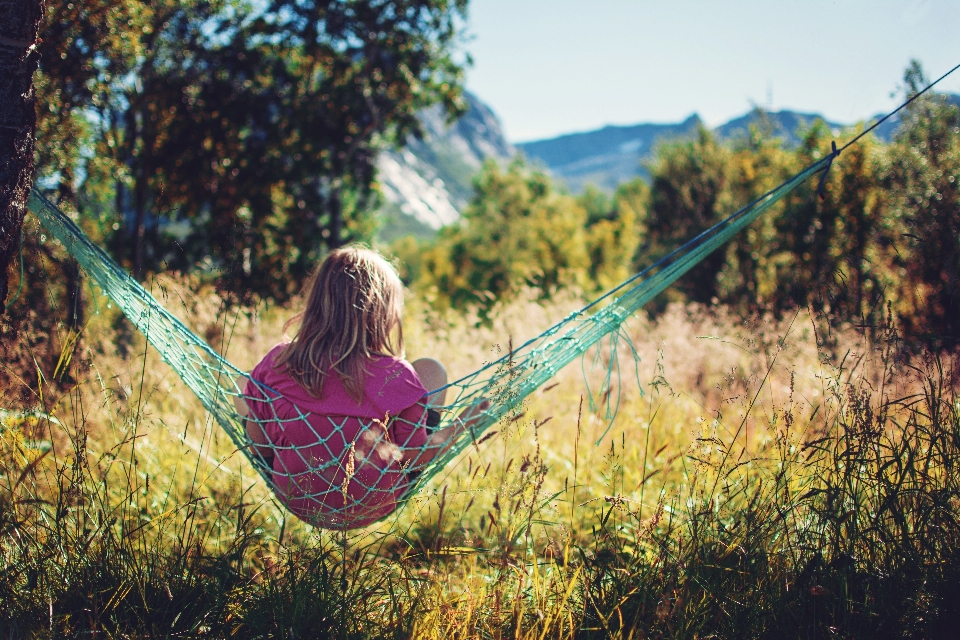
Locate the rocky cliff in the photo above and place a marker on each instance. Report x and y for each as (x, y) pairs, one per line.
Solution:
(428, 183)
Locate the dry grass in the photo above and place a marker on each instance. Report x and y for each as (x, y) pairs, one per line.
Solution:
(704, 507)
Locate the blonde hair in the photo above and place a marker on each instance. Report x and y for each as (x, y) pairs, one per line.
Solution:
(355, 303)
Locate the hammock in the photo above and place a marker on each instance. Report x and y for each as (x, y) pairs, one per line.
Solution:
(345, 477)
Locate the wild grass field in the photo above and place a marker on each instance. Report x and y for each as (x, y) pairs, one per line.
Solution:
(792, 474)
(761, 477)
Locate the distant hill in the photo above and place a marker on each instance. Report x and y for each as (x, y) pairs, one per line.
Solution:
(428, 183)
(609, 156)
(781, 124)
(612, 155)
(605, 157)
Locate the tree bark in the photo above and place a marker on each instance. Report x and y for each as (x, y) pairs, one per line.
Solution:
(19, 26)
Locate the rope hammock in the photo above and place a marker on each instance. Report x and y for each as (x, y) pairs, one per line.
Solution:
(347, 474)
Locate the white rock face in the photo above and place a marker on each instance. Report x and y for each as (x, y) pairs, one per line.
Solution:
(406, 182)
(431, 179)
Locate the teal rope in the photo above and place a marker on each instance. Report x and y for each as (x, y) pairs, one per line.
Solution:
(505, 383)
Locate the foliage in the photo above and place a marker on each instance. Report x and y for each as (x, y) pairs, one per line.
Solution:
(925, 214)
(751, 267)
(520, 232)
(238, 137)
(689, 192)
(614, 231)
(830, 249)
(240, 140)
(517, 232)
(229, 138)
(881, 229)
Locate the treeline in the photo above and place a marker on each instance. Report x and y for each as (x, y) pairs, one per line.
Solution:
(884, 238)
(237, 137)
(232, 139)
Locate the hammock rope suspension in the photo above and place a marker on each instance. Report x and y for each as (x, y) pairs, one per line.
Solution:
(359, 488)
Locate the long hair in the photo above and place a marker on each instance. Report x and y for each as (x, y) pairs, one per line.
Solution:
(355, 304)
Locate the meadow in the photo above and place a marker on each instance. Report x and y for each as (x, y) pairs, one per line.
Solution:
(777, 459)
(755, 476)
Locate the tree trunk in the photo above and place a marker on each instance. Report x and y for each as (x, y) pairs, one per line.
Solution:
(19, 25)
(335, 209)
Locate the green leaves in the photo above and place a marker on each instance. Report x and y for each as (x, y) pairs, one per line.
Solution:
(518, 232)
(923, 171)
(885, 232)
(243, 136)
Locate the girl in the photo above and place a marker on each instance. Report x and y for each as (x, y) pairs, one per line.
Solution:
(346, 419)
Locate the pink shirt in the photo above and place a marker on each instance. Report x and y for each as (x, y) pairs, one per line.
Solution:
(337, 460)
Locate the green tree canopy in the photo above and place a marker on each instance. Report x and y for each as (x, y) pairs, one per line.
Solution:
(925, 209)
(517, 232)
(242, 135)
(882, 236)
(615, 229)
(689, 192)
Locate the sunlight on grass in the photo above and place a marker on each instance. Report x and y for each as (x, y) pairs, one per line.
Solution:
(742, 477)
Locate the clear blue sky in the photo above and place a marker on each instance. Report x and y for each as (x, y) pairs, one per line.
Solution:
(556, 66)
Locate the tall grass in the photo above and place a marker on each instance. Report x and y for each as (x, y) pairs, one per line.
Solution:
(761, 478)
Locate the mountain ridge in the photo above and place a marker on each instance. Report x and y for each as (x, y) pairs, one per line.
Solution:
(602, 157)
(611, 155)
(428, 183)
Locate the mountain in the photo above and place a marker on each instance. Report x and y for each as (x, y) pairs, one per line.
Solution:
(605, 157)
(428, 182)
(609, 156)
(612, 155)
(785, 125)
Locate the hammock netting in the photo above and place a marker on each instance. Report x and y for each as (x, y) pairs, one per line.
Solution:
(349, 473)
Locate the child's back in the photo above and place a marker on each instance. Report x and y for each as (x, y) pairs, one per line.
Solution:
(338, 460)
(338, 416)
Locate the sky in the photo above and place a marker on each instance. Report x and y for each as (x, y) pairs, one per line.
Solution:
(549, 67)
